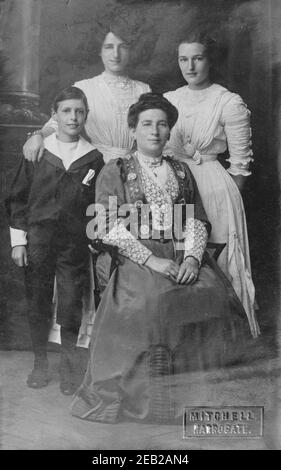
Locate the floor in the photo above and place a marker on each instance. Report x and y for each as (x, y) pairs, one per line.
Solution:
(40, 419)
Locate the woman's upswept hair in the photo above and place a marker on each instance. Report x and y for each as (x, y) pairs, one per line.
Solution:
(70, 93)
(119, 27)
(152, 101)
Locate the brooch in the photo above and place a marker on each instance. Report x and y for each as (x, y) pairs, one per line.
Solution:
(138, 203)
(181, 174)
(181, 201)
(132, 176)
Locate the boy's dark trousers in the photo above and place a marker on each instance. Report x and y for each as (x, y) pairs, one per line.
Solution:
(55, 250)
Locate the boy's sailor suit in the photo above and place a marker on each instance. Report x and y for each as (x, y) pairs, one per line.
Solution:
(47, 211)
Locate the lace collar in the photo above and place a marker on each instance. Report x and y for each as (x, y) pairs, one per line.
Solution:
(151, 162)
(119, 81)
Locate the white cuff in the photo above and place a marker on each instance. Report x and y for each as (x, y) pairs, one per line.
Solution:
(240, 167)
(235, 170)
(18, 237)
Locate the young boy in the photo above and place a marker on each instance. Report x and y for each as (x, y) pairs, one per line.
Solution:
(47, 213)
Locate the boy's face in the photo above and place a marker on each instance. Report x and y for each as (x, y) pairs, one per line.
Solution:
(70, 116)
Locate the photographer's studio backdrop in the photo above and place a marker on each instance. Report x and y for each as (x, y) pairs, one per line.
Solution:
(47, 45)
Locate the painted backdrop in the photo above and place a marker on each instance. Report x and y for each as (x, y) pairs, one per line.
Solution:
(67, 49)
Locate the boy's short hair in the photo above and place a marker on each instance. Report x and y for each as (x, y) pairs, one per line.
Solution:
(70, 93)
(152, 101)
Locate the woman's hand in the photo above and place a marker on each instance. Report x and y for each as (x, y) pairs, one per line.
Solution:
(19, 255)
(33, 148)
(188, 271)
(163, 266)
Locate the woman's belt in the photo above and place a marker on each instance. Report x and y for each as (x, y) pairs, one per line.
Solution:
(203, 157)
(195, 155)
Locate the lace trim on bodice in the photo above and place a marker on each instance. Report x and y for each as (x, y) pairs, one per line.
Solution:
(123, 91)
(155, 193)
(160, 198)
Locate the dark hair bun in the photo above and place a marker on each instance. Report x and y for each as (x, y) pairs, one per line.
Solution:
(152, 101)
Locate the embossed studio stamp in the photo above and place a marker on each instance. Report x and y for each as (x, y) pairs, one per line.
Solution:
(228, 421)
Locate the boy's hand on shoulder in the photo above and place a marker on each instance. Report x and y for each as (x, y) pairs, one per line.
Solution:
(19, 255)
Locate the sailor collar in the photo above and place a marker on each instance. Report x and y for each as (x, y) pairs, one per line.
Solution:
(83, 147)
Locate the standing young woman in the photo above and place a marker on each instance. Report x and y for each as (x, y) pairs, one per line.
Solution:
(211, 121)
(109, 96)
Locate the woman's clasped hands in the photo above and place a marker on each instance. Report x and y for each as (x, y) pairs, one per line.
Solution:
(185, 273)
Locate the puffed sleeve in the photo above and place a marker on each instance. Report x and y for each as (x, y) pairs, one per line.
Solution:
(112, 227)
(145, 88)
(52, 123)
(236, 123)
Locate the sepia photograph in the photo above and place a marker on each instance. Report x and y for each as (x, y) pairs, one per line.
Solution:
(140, 168)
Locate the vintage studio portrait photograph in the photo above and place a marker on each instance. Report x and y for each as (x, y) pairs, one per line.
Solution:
(140, 167)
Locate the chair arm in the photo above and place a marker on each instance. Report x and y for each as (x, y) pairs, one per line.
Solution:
(215, 249)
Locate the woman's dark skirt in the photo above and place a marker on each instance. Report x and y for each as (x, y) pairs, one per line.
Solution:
(148, 330)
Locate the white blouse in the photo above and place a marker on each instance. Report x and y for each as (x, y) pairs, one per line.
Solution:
(211, 121)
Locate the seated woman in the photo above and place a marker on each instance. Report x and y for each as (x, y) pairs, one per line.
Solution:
(164, 309)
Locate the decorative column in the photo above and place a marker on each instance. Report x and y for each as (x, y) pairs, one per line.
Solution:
(20, 35)
(19, 87)
(19, 114)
